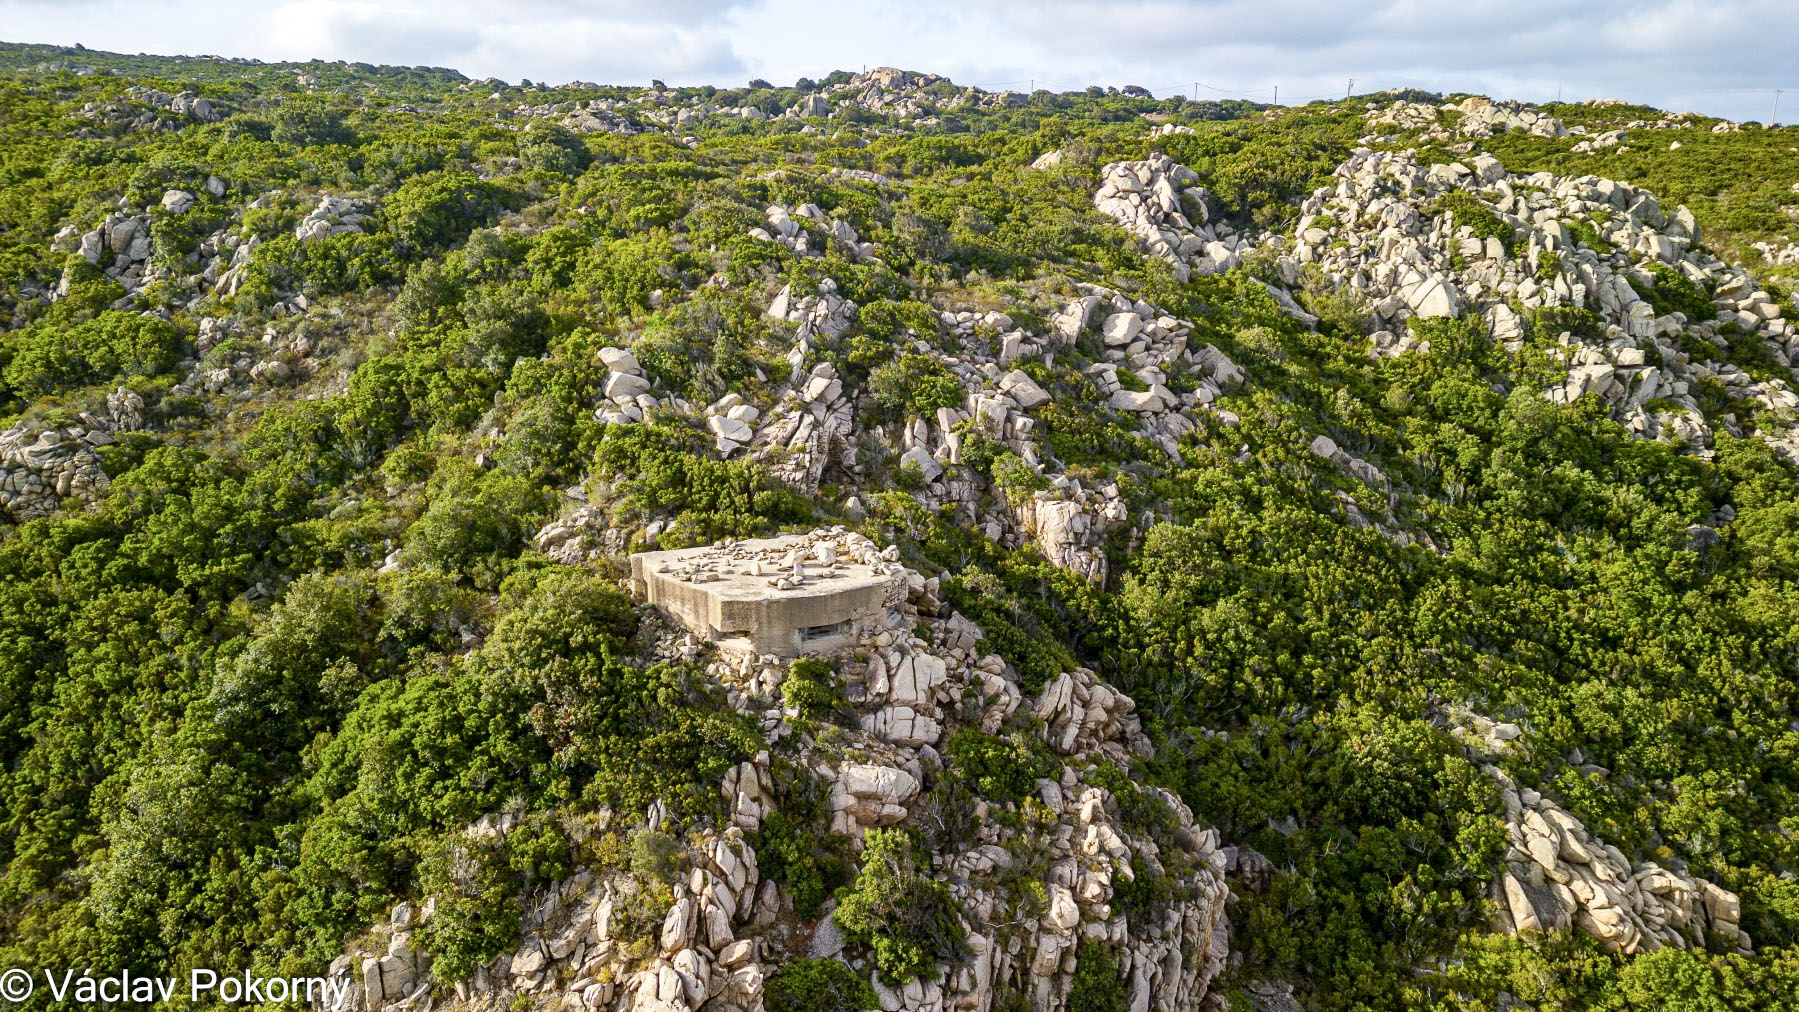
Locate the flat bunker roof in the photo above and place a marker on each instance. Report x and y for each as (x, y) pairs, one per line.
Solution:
(783, 594)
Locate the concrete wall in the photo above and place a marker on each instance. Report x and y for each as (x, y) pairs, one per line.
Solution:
(772, 618)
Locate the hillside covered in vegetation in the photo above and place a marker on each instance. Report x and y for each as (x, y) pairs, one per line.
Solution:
(1347, 556)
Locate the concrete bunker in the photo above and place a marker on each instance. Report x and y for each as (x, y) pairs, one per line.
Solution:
(788, 595)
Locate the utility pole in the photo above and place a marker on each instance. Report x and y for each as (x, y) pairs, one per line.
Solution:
(1277, 94)
(1774, 120)
(1195, 91)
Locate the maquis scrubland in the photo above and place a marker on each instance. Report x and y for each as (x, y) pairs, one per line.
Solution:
(882, 544)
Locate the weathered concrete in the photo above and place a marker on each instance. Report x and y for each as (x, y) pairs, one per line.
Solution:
(785, 596)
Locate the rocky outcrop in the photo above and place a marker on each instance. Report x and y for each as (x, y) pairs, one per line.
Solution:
(1158, 202)
(810, 427)
(1459, 239)
(717, 930)
(332, 216)
(1557, 877)
(390, 972)
(600, 115)
(1355, 467)
(583, 535)
(141, 108)
(1475, 116)
(1779, 256)
(122, 244)
(783, 228)
(909, 95)
(626, 387)
(806, 428)
(1140, 350)
(41, 468)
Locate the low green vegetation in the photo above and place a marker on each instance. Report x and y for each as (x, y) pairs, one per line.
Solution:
(818, 985)
(907, 919)
(261, 687)
(1001, 768)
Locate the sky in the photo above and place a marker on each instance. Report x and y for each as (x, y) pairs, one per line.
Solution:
(1719, 57)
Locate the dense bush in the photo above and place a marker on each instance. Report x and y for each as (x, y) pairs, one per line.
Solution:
(802, 860)
(703, 348)
(1098, 984)
(1001, 769)
(811, 689)
(47, 357)
(658, 474)
(1468, 211)
(1674, 292)
(907, 918)
(818, 985)
(308, 123)
(915, 385)
(439, 209)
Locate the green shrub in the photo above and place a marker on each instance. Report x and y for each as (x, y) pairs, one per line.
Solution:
(1019, 624)
(1588, 235)
(665, 472)
(1341, 310)
(811, 688)
(808, 865)
(440, 209)
(622, 273)
(46, 357)
(1467, 209)
(1548, 266)
(476, 917)
(653, 854)
(550, 148)
(306, 123)
(818, 985)
(705, 346)
(914, 385)
(1098, 984)
(678, 761)
(1002, 768)
(897, 323)
(476, 522)
(901, 912)
(1144, 895)
(1015, 479)
(1674, 292)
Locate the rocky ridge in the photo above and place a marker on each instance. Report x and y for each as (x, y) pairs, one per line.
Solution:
(910, 681)
(784, 229)
(810, 427)
(1475, 117)
(1472, 239)
(139, 107)
(122, 246)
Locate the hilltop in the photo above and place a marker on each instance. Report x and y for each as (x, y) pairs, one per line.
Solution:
(1327, 557)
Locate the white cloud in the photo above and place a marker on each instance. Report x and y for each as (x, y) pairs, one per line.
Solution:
(1723, 57)
(540, 40)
